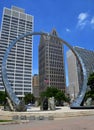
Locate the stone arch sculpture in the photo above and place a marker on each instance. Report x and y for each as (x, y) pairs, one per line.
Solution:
(17, 103)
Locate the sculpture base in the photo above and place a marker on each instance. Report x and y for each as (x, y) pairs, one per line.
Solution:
(82, 107)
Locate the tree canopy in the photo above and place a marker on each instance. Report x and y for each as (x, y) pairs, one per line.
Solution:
(29, 98)
(2, 97)
(54, 92)
(91, 81)
(89, 94)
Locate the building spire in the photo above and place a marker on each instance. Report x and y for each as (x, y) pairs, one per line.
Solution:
(54, 32)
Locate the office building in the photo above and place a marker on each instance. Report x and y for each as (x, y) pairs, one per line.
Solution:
(16, 22)
(51, 62)
(73, 87)
(74, 69)
(35, 85)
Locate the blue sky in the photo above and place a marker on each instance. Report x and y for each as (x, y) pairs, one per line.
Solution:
(73, 20)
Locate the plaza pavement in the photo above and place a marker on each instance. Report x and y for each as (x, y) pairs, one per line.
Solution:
(36, 114)
(64, 118)
(73, 123)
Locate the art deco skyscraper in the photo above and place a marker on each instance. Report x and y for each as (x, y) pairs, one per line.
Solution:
(16, 22)
(51, 62)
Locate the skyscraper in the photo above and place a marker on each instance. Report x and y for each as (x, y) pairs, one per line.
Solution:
(74, 71)
(16, 22)
(72, 75)
(51, 62)
(35, 84)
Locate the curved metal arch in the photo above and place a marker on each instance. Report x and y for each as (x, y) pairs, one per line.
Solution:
(77, 102)
(8, 87)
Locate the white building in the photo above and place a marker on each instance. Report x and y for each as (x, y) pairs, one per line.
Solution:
(72, 75)
(16, 22)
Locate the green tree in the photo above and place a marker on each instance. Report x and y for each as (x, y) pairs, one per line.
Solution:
(3, 96)
(54, 92)
(91, 81)
(60, 96)
(49, 92)
(43, 94)
(89, 94)
(29, 98)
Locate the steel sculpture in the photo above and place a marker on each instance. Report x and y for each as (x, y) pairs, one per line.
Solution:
(16, 102)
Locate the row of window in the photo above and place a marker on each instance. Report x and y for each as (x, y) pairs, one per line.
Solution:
(21, 93)
(15, 27)
(18, 74)
(15, 23)
(6, 17)
(58, 85)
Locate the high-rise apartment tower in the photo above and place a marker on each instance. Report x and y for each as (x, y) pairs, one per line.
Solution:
(16, 22)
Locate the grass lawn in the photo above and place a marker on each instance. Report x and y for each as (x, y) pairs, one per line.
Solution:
(5, 120)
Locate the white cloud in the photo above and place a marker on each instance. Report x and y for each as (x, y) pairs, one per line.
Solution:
(92, 21)
(82, 20)
(68, 30)
(85, 20)
(82, 16)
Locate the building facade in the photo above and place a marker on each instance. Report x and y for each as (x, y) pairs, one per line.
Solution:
(51, 62)
(73, 87)
(74, 70)
(35, 85)
(16, 22)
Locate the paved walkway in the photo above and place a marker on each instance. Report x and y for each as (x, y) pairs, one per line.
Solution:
(64, 119)
(73, 123)
(60, 112)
